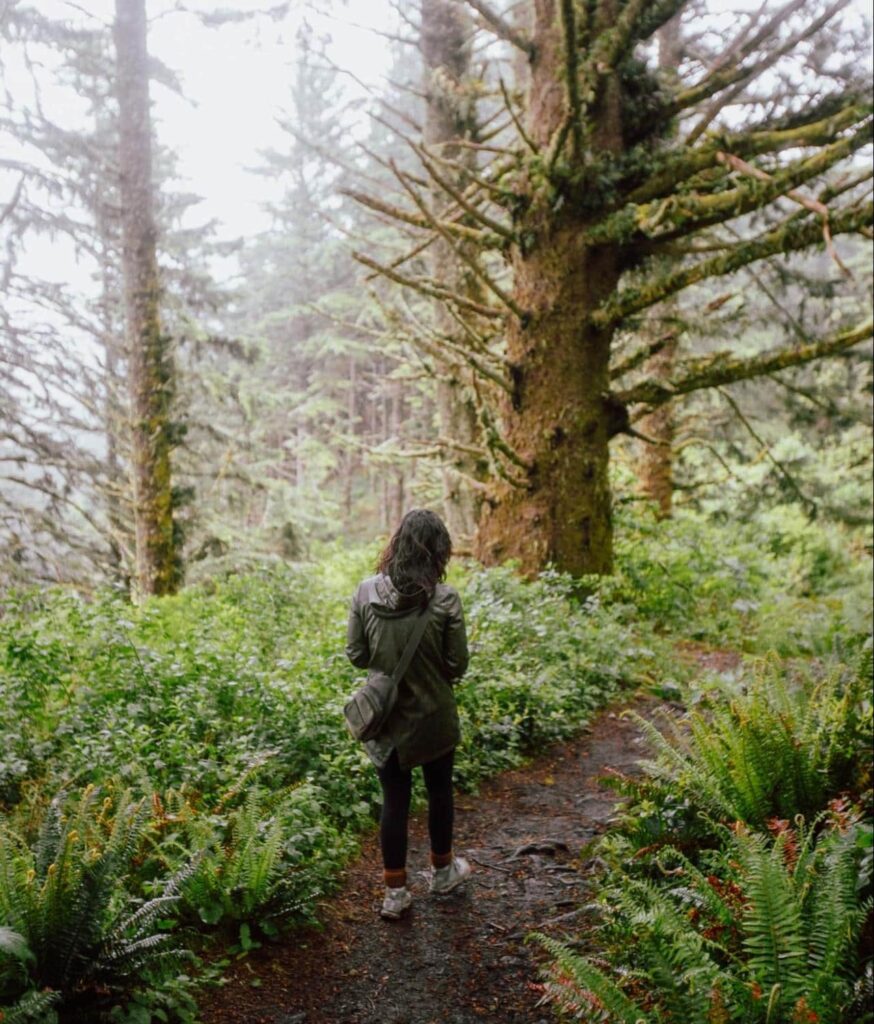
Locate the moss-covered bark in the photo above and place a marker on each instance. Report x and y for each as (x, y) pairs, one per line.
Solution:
(150, 366)
(555, 419)
(656, 469)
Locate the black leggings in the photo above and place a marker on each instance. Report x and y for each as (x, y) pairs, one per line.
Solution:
(397, 785)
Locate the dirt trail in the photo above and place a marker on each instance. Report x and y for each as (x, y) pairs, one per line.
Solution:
(460, 959)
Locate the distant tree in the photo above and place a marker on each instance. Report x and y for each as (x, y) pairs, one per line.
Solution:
(451, 125)
(615, 168)
(65, 450)
(150, 365)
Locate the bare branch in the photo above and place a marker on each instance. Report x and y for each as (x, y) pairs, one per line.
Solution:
(465, 257)
(482, 238)
(428, 287)
(13, 202)
(459, 198)
(727, 76)
(809, 505)
(502, 28)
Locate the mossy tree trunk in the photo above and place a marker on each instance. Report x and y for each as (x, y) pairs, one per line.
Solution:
(150, 365)
(557, 509)
(657, 459)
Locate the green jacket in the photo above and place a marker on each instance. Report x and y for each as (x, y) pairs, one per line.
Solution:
(423, 724)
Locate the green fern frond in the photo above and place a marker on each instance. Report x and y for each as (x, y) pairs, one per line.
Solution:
(32, 1008)
(773, 933)
(586, 978)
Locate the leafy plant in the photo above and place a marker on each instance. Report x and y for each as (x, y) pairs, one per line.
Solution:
(75, 925)
(771, 938)
(781, 746)
(265, 859)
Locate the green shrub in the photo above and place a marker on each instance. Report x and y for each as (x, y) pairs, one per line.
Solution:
(263, 856)
(771, 936)
(780, 746)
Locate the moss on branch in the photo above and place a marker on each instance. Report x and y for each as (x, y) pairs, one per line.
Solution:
(678, 216)
(793, 234)
(675, 168)
(724, 368)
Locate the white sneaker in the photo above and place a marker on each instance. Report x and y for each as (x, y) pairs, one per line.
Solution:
(396, 903)
(446, 879)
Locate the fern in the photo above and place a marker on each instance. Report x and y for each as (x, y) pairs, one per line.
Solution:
(586, 980)
(773, 933)
(66, 898)
(32, 1008)
(779, 749)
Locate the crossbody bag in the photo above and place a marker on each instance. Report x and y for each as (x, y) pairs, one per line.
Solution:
(368, 708)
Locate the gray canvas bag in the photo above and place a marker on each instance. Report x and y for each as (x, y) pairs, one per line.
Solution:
(368, 708)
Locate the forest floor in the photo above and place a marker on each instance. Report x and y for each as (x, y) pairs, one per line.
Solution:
(462, 958)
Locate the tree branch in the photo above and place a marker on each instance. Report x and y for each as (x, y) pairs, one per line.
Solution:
(789, 236)
(481, 238)
(642, 354)
(678, 216)
(427, 287)
(465, 257)
(13, 202)
(678, 167)
(726, 76)
(809, 505)
(722, 368)
(502, 28)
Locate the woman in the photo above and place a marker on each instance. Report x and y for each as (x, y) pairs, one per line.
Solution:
(422, 728)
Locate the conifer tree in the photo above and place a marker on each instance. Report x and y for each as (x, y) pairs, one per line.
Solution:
(587, 203)
(150, 372)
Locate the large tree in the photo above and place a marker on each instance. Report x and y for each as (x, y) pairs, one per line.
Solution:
(150, 364)
(608, 202)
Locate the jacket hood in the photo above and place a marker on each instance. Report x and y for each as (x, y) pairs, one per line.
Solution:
(391, 603)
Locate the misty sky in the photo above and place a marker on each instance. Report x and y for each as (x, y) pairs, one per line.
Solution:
(236, 80)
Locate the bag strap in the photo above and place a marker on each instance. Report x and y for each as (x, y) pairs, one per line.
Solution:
(412, 644)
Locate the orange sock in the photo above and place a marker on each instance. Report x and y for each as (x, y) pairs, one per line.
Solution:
(441, 860)
(395, 878)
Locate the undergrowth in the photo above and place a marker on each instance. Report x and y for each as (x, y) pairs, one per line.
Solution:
(208, 726)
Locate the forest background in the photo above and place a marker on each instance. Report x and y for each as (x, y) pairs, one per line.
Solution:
(305, 399)
(592, 279)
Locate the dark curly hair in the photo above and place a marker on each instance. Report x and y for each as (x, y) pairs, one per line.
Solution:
(415, 558)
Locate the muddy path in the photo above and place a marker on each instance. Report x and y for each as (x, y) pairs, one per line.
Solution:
(459, 959)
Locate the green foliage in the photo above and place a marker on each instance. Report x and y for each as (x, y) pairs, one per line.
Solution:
(738, 877)
(219, 710)
(771, 582)
(769, 936)
(74, 925)
(780, 745)
(268, 857)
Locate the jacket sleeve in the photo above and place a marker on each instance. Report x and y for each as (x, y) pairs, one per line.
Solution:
(357, 648)
(455, 652)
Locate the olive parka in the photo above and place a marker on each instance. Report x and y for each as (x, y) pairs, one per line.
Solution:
(423, 724)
